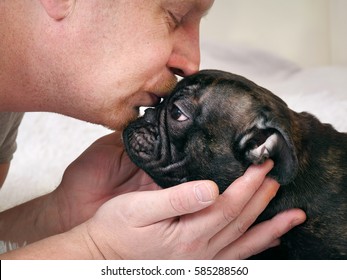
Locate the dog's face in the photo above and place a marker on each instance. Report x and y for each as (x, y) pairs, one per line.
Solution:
(213, 126)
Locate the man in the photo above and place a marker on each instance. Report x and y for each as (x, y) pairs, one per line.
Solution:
(99, 61)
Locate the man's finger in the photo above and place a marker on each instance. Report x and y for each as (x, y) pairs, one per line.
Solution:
(150, 207)
(251, 211)
(263, 236)
(230, 204)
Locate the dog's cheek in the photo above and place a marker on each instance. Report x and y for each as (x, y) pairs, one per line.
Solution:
(213, 162)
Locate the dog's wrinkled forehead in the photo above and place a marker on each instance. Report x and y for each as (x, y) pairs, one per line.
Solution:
(229, 91)
(213, 82)
(194, 85)
(217, 94)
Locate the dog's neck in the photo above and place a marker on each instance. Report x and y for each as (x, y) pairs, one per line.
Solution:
(322, 154)
(320, 150)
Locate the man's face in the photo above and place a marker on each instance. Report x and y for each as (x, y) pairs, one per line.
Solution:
(108, 58)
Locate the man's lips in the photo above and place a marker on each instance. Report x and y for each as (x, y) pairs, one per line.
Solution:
(154, 99)
(154, 94)
(147, 99)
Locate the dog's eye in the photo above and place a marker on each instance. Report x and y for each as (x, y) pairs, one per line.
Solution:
(177, 114)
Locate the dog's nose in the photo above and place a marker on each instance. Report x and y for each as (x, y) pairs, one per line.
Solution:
(150, 115)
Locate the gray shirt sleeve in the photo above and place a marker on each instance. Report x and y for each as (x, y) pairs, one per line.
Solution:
(9, 123)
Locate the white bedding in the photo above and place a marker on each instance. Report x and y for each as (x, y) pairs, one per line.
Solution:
(321, 91)
(47, 143)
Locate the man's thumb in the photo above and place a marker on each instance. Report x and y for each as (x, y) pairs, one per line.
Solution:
(186, 198)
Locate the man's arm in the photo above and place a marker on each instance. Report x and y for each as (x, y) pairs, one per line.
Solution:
(74, 244)
(31, 221)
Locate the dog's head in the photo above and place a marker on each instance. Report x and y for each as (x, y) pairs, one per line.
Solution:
(213, 126)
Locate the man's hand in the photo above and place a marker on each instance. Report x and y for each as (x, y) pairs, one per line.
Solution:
(101, 172)
(191, 221)
(187, 221)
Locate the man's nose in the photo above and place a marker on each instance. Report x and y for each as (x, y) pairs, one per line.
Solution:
(185, 57)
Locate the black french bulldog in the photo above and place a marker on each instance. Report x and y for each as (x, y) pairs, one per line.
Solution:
(215, 124)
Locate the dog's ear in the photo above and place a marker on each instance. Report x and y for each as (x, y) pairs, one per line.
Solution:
(268, 139)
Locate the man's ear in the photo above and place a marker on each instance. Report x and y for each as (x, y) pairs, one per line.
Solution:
(58, 9)
(269, 140)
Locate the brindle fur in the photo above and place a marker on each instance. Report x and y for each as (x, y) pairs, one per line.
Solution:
(229, 116)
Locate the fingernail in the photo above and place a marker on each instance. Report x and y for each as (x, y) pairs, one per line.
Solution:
(204, 192)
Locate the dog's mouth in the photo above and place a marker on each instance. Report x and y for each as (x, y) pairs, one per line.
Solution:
(142, 138)
(149, 148)
(142, 142)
